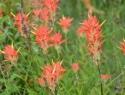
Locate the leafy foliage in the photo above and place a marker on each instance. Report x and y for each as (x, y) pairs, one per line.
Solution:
(21, 79)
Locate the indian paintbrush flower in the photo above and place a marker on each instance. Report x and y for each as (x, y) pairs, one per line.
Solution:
(75, 67)
(1, 13)
(93, 31)
(51, 5)
(80, 32)
(56, 39)
(122, 47)
(18, 22)
(17, 19)
(105, 76)
(41, 81)
(51, 75)
(42, 14)
(46, 10)
(43, 38)
(93, 35)
(65, 23)
(11, 55)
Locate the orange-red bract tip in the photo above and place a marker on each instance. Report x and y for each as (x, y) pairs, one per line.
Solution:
(50, 31)
(84, 28)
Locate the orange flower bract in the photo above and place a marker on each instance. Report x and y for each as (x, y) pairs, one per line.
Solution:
(122, 47)
(10, 53)
(17, 19)
(41, 81)
(42, 37)
(51, 74)
(51, 5)
(65, 23)
(80, 32)
(56, 39)
(105, 76)
(93, 35)
(1, 14)
(75, 67)
(42, 14)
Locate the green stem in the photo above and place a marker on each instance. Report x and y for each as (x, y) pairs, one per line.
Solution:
(98, 66)
(48, 58)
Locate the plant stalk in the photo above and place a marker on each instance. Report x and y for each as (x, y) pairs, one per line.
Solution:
(98, 66)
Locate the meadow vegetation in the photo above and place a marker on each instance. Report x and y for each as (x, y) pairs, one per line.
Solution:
(62, 47)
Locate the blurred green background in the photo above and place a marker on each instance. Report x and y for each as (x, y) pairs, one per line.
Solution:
(112, 59)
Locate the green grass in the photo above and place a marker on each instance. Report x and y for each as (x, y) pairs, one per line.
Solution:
(74, 50)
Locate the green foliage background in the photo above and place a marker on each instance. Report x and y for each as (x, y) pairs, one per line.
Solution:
(112, 59)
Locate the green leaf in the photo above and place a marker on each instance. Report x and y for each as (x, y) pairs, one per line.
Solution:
(3, 19)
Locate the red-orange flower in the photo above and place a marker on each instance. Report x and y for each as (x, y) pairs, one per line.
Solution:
(51, 74)
(122, 47)
(80, 31)
(17, 19)
(93, 35)
(41, 81)
(10, 53)
(87, 4)
(1, 14)
(58, 69)
(37, 12)
(42, 37)
(65, 23)
(56, 39)
(105, 76)
(92, 28)
(45, 14)
(42, 14)
(37, 3)
(51, 5)
(40, 32)
(75, 67)
(20, 21)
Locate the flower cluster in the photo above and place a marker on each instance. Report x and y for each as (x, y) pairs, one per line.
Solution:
(93, 35)
(42, 37)
(80, 32)
(122, 47)
(11, 55)
(51, 5)
(42, 14)
(1, 14)
(75, 67)
(44, 40)
(18, 21)
(105, 76)
(56, 39)
(51, 75)
(47, 11)
(65, 23)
